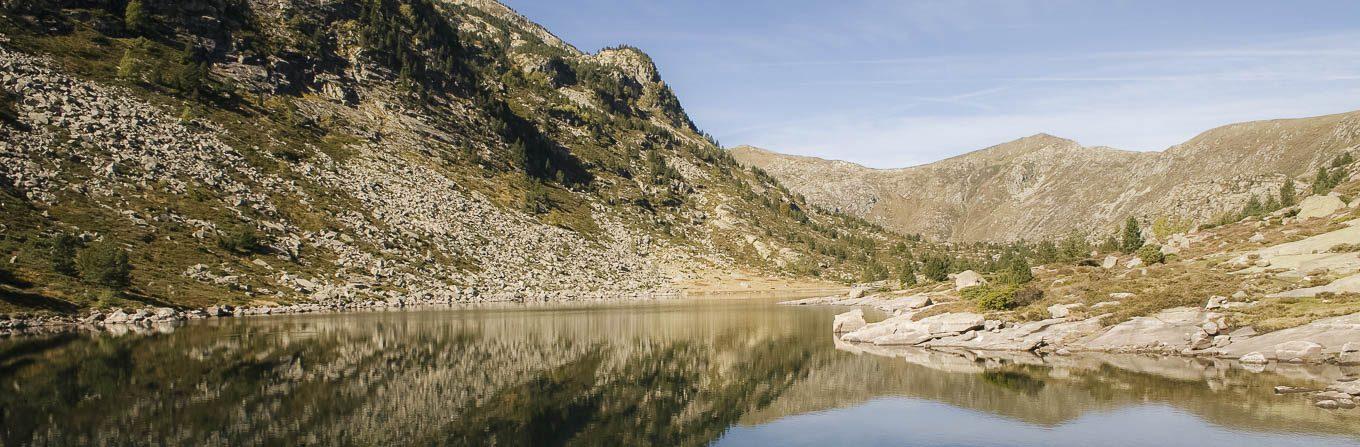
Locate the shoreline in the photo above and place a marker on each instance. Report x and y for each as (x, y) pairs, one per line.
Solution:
(122, 320)
(1184, 332)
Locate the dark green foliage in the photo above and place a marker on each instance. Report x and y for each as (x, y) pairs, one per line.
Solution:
(1326, 179)
(936, 268)
(873, 271)
(1046, 252)
(1000, 297)
(662, 173)
(990, 297)
(61, 253)
(1075, 247)
(1014, 269)
(105, 264)
(9, 108)
(135, 17)
(240, 240)
(414, 39)
(1342, 160)
(1109, 245)
(1133, 236)
(538, 155)
(1288, 196)
(536, 199)
(128, 65)
(191, 76)
(1151, 254)
(906, 275)
(1254, 207)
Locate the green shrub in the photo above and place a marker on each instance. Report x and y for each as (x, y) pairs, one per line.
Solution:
(990, 297)
(936, 268)
(1151, 254)
(240, 240)
(1001, 297)
(105, 264)
(1015, 270)
(135, 17)
(907, 274)
(1133, 236)
(62, 254)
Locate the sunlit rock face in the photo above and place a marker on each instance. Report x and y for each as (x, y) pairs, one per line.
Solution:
(1044, 186)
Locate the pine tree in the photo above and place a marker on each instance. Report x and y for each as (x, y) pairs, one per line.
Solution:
(127, 66)
(907, 274)
(1016, 270)
(135, 17)
(1287, 193)
(1322, 182)
(1074, 247)
(1133, 236)
(1253, 207)
(936, 268)
(1342, 160)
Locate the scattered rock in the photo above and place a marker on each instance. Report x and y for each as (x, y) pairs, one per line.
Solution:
(1299, 352)
(966, 279)
(848, 322)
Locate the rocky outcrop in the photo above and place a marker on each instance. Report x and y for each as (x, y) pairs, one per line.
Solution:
(1315, 207)
(1172, 330)
(966, 279)
(848, 322)
(1325, 339)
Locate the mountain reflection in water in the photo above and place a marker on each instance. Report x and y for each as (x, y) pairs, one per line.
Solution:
(659, 373)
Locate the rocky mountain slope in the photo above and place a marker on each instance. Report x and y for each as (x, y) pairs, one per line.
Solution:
(1045, 187)
(262, 152)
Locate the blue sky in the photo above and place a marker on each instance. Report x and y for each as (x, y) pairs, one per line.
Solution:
(899, 83)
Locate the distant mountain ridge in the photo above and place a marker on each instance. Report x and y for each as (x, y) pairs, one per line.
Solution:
(1045, 186)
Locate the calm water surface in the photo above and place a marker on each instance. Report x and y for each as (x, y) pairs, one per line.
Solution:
(728, 373)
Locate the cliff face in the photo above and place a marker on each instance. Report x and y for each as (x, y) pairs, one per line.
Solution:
(266, 151)
(1043, 186)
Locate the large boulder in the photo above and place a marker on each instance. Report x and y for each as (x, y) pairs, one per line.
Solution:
(901, 330)
(966, 279)
(1319, 206)
(1109, 262)
(1299, 351)
(849, 321)
(953, 322)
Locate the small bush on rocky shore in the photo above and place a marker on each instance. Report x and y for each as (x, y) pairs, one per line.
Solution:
(1001, 297)
(105, 264)
(240, 240)
(1151, 254)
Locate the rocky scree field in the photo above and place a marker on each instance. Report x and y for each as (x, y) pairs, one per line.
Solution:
(343, 153)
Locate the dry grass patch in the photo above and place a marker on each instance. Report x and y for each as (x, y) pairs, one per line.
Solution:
(1282, 313)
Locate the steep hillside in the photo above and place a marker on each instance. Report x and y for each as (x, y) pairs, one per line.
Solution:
(263, 152)
(1045, 187)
